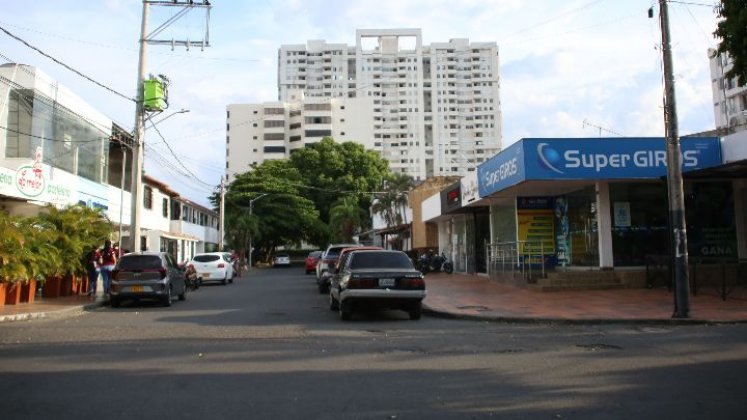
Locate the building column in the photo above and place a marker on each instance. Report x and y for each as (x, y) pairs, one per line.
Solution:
(604, 225)
(739, 188)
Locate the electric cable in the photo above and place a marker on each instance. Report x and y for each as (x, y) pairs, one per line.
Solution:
(65, 65)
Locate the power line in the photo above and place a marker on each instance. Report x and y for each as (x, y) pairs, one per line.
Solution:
(65, 65)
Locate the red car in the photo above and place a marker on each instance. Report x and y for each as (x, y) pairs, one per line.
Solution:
(311, 261)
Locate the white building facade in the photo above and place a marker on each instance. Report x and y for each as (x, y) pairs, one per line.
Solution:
(729, 98)
(428, 110)
(56, 149)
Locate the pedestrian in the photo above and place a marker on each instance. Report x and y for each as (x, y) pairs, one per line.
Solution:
(93, 267)
(109, 257)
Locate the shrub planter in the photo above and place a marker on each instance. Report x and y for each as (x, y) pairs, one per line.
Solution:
(13, 293)
(52, 287)
(28, 291)
(3, 285)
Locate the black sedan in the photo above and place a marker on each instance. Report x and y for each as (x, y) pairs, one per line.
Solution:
(380, 278)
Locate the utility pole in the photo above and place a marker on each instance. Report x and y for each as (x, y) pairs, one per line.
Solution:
(674, 178)
(136, 192)
(139, 132)
(222, 215)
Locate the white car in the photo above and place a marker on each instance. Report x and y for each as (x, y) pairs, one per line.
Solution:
(213, 266)
(281, 260)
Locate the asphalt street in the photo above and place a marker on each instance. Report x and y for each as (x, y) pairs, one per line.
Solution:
(268, 347)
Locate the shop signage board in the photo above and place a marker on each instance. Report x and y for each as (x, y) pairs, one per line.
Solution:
(591, 159)
(45, 184)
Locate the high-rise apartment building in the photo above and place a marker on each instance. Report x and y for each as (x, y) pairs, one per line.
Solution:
(729, 98)
(429, 110)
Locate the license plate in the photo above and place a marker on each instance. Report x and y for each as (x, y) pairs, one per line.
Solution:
(137, 289)
(386, 282)
(204, 275)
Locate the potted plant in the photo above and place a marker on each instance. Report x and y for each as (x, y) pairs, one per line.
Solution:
(77, 229)
(41, 256)
(11, 252)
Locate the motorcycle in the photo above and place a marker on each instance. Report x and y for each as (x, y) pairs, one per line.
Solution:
(435, 263)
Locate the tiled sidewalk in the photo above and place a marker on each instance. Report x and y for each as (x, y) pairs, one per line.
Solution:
(477, 297)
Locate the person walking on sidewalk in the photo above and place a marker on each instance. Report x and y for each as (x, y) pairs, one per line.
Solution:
(93, 267)
(109, 257)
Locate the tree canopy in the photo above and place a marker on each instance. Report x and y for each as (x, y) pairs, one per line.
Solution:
(732, 30)
(322, 193)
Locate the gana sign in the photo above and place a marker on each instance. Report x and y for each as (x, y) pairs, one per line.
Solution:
(594, 158)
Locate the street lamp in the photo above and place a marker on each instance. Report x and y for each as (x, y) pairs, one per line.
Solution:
(251, 207)
(153, 123)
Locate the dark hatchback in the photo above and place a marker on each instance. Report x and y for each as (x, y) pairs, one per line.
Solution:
(147, 275)
(382, 279)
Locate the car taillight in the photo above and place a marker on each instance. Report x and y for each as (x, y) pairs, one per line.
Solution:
(221, 265)
(362, 283)
(412, 283)
(162, 272)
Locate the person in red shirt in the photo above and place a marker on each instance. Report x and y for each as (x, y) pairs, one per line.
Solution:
(109, 257)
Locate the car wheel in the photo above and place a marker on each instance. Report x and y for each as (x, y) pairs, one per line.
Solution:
(345, 311)
(224, 281)
(333, 304)
(415, 310)
(308, 272)
(183, 295)
(167, 298)
(114, 302)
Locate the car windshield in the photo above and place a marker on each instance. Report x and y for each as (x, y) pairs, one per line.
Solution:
(380, 260)
(206, 258)
(335, 252)
(282, 255)
(140, 262)
(315, 254)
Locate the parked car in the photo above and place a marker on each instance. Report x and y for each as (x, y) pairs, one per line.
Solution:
(324, 281)
(281, 260)
(311, 261)
(382, 279)
(213, 267)
(329, 258)
(147, 275)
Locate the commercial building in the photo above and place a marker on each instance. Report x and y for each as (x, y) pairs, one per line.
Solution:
(56, 149)
(430, 110)
(554, 207)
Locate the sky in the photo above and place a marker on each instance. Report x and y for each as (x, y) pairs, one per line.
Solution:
(572, 68)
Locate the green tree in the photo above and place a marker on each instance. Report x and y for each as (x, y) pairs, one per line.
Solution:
(283, 217)
(345, 218)
(732, 30)
(330, 169)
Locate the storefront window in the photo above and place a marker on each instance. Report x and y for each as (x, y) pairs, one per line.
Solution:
(69, 141)
(576, 229)
(639, 222)
(709, 208)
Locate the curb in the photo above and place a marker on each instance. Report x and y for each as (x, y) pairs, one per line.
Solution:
(437, 313)
(67, 310)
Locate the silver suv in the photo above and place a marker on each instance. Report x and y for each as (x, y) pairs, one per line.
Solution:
(147, 275)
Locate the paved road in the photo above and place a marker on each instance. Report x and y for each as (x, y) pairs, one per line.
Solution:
(267, 347)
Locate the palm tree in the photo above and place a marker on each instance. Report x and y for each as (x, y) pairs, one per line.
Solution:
(345, 217)
(392, 205)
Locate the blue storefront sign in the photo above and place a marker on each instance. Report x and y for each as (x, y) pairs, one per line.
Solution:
(591, 159)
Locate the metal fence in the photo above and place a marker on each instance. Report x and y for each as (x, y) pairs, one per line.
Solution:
(525, 259)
